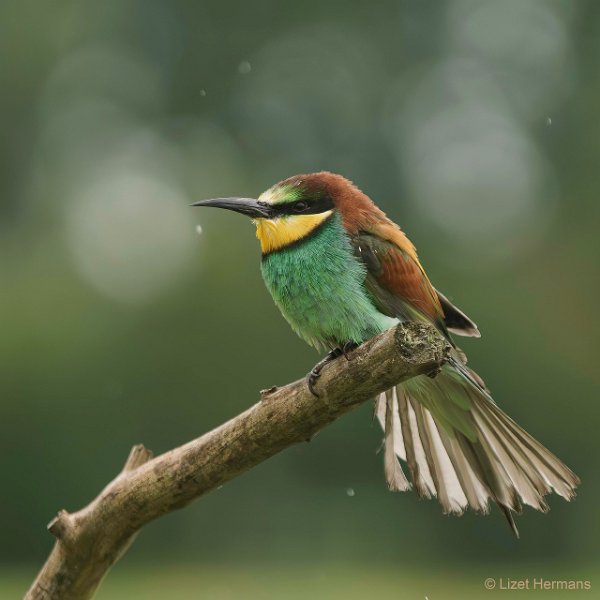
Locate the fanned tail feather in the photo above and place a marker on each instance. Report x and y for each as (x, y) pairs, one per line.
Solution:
(394, 475)
(459, 446)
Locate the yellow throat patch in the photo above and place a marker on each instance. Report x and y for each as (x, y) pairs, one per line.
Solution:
(275, 234)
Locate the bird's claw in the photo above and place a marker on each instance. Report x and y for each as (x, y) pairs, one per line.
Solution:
(311, 379)
(315, 373)
(348, 347)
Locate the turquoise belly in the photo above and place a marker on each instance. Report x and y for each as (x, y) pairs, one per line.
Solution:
(317, 283)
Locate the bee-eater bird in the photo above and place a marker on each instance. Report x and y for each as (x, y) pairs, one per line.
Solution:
(340, 272)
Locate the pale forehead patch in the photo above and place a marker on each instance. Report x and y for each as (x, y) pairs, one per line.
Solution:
(279, 194)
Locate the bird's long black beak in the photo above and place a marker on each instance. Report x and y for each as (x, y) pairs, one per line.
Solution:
(247, 206)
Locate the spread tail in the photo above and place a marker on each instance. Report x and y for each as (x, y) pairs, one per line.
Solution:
(459, 446)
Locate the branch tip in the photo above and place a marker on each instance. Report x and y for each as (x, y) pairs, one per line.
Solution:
(138, 456)
(268, 391)
(61, 524)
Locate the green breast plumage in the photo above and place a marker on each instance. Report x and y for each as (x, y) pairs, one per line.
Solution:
(318, 284)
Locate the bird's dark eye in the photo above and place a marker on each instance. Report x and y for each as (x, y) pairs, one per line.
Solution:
(300, 206)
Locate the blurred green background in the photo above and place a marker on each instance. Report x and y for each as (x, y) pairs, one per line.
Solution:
(474, 124)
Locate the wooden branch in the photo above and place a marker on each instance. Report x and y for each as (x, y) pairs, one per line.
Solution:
(91, 540)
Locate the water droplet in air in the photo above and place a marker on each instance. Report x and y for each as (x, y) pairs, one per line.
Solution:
(199, 229)
(549, 121)
(350, 492)
(244, 67)
(203, 92)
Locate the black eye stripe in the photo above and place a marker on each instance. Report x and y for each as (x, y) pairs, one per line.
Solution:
(303, 207)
